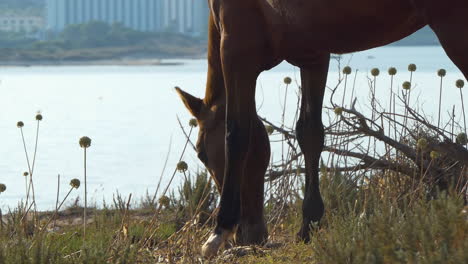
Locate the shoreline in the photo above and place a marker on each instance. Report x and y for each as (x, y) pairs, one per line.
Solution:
(131, 60)
(110, 62)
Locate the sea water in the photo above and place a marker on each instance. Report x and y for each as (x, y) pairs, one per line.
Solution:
(130, 113)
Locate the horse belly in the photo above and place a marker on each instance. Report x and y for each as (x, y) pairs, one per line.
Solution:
(340, 26)
(338, 40)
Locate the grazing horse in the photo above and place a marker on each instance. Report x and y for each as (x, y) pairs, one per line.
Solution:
(247, 37)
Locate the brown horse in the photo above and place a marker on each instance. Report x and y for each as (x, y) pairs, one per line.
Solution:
(247, 37)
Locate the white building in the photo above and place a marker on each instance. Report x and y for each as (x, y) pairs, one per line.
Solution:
(183, 16)
(27, 24)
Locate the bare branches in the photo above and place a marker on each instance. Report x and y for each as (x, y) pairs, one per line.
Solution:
(395, 149)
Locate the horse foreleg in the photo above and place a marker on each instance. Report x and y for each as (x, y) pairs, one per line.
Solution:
(240, 79)
(310, 136)
(252, 228)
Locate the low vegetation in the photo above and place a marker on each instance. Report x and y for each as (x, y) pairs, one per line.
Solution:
(97, 41)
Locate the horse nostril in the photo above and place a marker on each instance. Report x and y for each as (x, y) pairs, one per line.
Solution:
(202, 156)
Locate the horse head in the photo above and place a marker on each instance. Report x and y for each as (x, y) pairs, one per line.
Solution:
(211, 140)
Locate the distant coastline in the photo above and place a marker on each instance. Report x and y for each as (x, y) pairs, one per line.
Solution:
(107, 62)
(141, 55)
(122, 56)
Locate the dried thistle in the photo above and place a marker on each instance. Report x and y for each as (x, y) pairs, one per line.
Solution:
(85, 142)
(182, 166)
(75, 183)
(422, 143)
(193, 122)
(441, 72)
(392, 71)
(164, 201)
(338, 111)
(347, 70)
(462, 138)
(412, 67)
(406, 85)
(435, 154)
(269, 129)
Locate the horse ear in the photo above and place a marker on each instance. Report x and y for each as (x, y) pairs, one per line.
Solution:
(192, 103)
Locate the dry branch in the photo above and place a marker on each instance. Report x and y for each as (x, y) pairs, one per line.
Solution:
(353, 126)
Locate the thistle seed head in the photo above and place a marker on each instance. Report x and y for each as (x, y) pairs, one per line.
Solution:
(392, 71)
(422, 143)
(182, 166)
(39, 117)
(164, 201)
(338, 111)
(75, 183)
(287, 80)
(406, 85)
(460, 83)
(435, 154)
(269, 130)
(375, 72)
(462, 138)
(412, 67)
(441, 72)
(347, 70)
(20, 124)
(193, 122)
(85, 142)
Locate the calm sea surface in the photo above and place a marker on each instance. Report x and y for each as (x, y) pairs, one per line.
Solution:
(130, 114)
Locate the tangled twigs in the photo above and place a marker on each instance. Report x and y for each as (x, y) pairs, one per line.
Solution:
(440, 160)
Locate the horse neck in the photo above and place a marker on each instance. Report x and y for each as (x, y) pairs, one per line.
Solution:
(214, 93)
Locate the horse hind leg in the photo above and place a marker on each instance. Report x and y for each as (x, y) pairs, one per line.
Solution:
(452, 30)
(451, 27)
(310, 136)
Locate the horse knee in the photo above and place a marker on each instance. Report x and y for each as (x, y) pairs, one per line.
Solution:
(310, 134)
(237, 139)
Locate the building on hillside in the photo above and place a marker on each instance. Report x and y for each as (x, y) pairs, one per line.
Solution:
(183, 16)
(18, 23)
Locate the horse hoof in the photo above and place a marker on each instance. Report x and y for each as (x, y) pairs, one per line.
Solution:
(214, 243)
(303, 236)
(251, 234)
